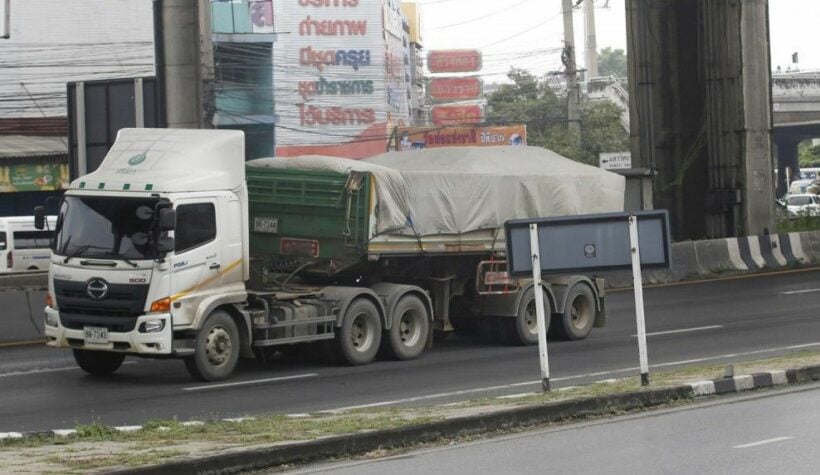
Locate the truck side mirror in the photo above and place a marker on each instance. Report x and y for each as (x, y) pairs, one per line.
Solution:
(167, 219)
(165, 244)
(39, 217)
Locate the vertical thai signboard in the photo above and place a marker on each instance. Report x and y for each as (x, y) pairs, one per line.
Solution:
(337, 76)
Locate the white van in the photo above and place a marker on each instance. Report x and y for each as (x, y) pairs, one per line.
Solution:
(22, 247)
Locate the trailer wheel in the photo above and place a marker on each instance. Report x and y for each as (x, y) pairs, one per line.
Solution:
(359, 337)
(216, 348)
(98, 363)
(579, 314)
(407, 336)
(523, 328)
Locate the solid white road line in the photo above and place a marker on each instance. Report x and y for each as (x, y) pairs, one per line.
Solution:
(48, 370)
(794, 292)
(763, 442)
(684, 330)
(252, 382)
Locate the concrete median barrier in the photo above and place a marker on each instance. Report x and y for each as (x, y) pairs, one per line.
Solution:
(715, 257)
(21, 316)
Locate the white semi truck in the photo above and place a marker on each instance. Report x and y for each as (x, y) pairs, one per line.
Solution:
(174, 249)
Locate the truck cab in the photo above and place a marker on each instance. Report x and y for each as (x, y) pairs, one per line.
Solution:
(147, 246)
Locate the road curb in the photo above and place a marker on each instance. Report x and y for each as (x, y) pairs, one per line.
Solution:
(516, 418)
(304, 452)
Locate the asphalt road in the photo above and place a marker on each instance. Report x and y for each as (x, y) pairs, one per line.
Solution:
(713, 322)
(766, 433)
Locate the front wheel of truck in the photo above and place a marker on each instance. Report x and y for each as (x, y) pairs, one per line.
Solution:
(216, 348)
(98, 363)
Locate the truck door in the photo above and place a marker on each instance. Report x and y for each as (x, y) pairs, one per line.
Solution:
(197, 257)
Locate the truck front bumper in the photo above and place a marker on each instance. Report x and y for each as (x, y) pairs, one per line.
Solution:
(136, 342)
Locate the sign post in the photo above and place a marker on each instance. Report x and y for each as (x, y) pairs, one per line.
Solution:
(595, 242)
(637, 283)
(535, 249)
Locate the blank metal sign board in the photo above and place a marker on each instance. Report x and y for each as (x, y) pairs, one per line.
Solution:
(588, 242)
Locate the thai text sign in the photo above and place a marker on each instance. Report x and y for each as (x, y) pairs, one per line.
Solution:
(427, 137)
(454, 61)
(456, 115)
(616, 161)
(455, 89)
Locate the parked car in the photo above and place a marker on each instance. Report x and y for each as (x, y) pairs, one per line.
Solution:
(805, 204)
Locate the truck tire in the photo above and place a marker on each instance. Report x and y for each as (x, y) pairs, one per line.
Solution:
(579, 314)
(407, 336)
(360, 335)
(216, 348)
(522, 329)
(98, 363)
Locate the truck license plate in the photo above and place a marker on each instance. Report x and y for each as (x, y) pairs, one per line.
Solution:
(96, 335)
(266, 225)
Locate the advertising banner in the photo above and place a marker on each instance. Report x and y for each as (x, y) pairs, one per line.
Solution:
(454, 61)
(456, 115)
(45, 177)
(338, 76)
(455, 89)
(415, 138)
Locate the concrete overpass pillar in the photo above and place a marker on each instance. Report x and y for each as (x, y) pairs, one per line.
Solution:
(700, 112)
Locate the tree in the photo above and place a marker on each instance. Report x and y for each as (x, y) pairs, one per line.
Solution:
(529, 100)
(612, 62)
(809, 155)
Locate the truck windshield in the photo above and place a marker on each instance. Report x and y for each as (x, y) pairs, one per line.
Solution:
(104, 227)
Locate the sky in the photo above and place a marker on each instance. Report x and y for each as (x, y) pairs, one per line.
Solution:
(529, 33)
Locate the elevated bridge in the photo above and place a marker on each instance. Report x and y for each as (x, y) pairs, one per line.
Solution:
(796, 118)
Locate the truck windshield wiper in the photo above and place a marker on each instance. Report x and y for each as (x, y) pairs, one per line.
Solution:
(128, 261)
(81, 250)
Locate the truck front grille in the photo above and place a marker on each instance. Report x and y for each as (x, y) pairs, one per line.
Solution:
(118, 310)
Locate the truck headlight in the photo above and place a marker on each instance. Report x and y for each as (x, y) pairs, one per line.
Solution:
(152, 326)
(52, 320)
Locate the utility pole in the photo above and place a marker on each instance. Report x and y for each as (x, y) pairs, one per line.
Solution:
(568, 58)
(183, 55)
(591, 43)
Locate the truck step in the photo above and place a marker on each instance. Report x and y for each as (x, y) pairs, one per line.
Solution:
(294, 339)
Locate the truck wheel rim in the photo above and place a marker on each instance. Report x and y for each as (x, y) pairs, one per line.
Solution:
(218, 346)
(409, 328)
(531, 318)
(361, 335)
(580, 313)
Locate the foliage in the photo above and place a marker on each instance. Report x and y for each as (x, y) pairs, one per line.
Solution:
(612, 62)
(809, 155)
(530, 100)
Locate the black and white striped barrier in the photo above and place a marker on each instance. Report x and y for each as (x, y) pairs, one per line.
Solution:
(714, 257)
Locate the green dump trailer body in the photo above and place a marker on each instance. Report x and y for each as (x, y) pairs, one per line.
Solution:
(303, 214)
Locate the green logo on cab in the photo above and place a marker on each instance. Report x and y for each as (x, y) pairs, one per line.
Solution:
(137, 159)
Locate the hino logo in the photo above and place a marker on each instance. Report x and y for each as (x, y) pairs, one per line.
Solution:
(97, 289)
